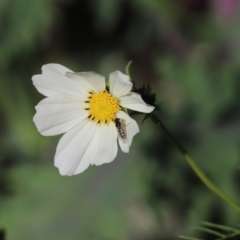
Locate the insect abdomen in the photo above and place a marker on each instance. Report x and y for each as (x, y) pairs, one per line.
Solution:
(121, 133)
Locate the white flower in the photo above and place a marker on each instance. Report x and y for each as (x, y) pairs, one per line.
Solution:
(79, 105)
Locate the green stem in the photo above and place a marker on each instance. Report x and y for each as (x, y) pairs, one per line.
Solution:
(194, 166)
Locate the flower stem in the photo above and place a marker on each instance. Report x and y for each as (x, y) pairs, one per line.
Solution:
(194, 166)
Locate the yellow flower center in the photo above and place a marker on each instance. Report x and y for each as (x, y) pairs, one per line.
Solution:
(102, 106)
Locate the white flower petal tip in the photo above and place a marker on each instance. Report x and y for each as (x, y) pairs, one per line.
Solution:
(80, 106)
(134, 102)
(55, 67)
(120, 84)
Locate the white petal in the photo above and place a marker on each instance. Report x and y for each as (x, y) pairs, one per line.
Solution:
(90, 80)
(72, 155)
(131, 128)
(120, 84)
(134, 102)
(57, 115)
(56, 67)
(53, 82)
(104, 144)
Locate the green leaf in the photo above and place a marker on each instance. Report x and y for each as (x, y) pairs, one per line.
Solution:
(222, 227)
(232, 232)
(210, 231)
(189, 238)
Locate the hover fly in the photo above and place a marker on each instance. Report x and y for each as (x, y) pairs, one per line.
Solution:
(120, 125)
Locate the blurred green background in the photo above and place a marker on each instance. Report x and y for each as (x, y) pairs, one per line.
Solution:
(189, 50)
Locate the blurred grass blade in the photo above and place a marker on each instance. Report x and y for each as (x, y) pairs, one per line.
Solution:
(210, 231)
(189, 238)
(222, 227)
(231, 235)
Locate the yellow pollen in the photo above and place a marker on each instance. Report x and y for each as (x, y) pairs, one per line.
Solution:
(102, 106)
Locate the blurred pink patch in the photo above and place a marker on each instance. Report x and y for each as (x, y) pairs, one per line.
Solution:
(226, 9)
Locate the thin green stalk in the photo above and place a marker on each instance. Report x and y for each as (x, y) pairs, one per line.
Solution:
(194, 166)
